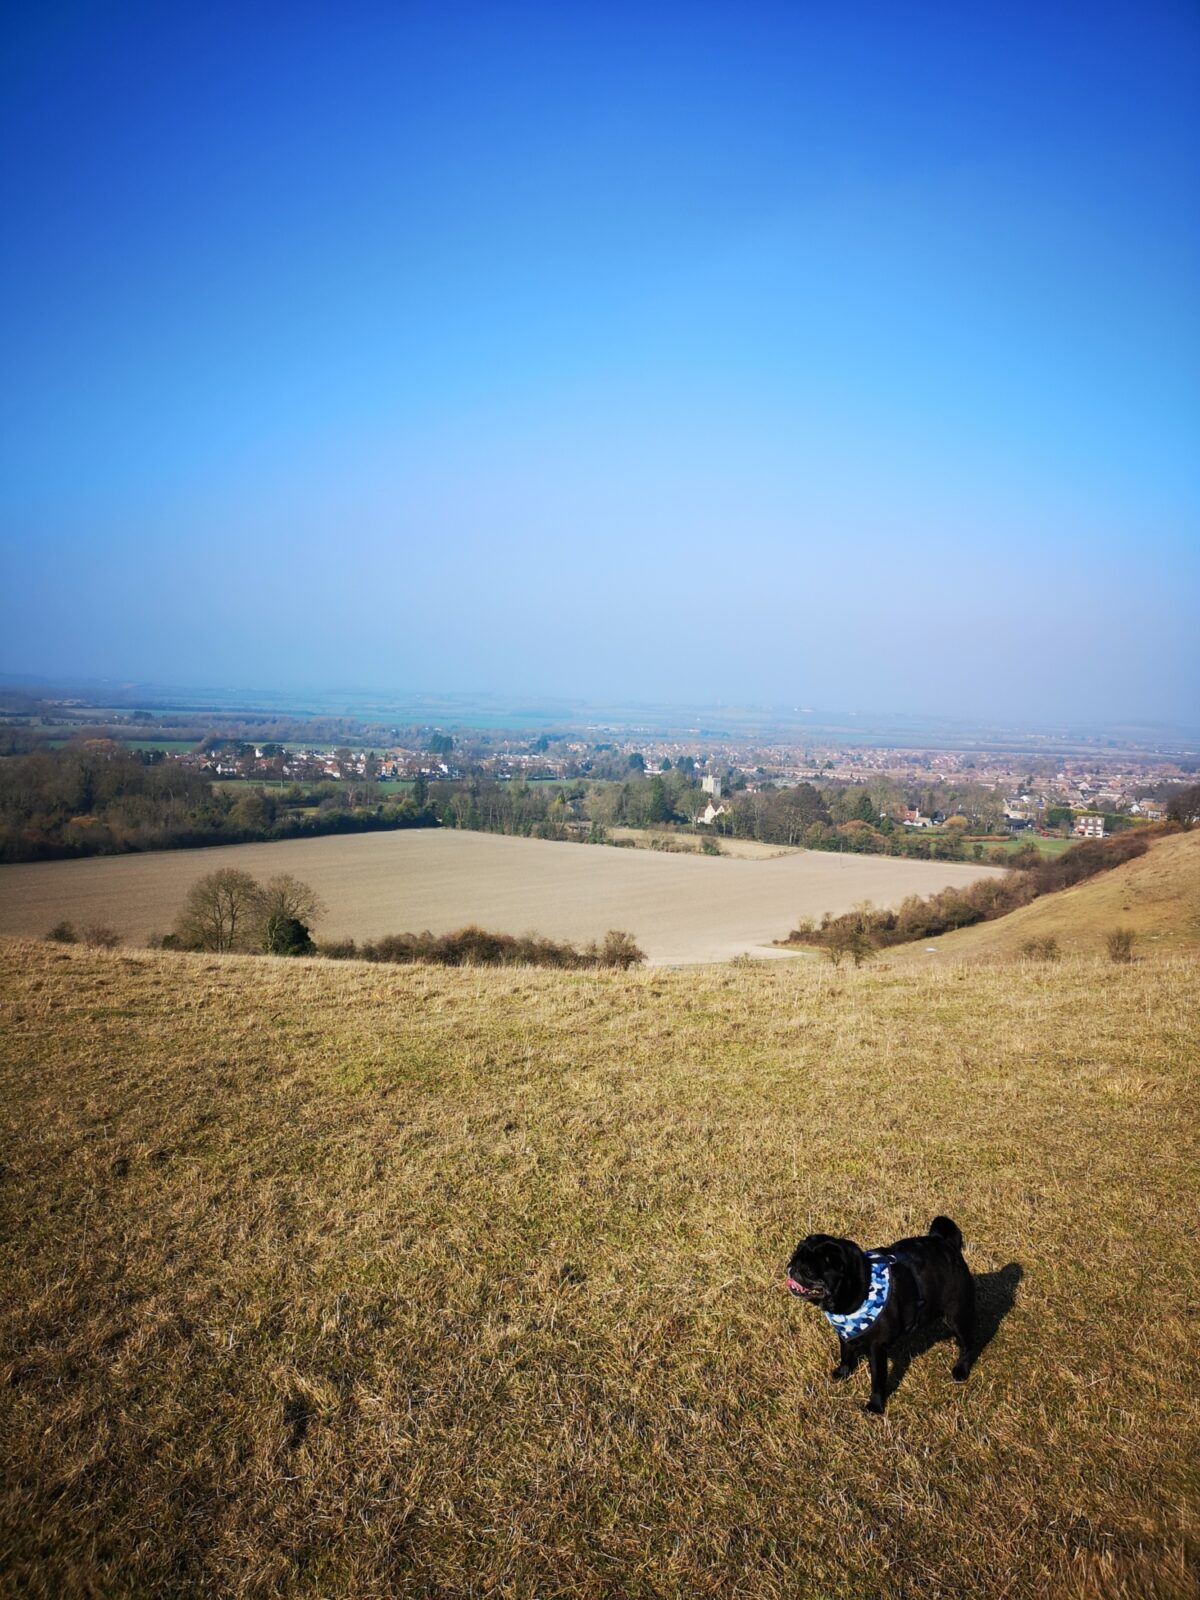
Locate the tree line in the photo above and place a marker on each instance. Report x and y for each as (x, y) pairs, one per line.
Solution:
(862, 931)
(97, 798)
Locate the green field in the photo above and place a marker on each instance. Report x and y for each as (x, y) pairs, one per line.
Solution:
(1046, 847)
(174, 746)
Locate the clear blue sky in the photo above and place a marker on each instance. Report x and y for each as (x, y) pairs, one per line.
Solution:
(836, 355)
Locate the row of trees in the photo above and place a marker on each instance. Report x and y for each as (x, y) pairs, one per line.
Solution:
(101, 799)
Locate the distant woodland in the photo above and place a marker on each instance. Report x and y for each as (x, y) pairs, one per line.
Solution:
(99, 798)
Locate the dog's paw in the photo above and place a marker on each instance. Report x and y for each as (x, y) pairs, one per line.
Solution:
(840, 1372)
(874, 1406)
(961, 1371)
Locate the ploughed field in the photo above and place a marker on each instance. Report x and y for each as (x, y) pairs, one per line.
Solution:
(680, 908)
(339, 1280)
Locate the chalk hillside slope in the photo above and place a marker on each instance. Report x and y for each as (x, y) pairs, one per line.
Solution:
(1156, 895)
(326, 1279)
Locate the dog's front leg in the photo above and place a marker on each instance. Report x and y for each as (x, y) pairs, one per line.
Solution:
(879, 1377)
(846, 1363)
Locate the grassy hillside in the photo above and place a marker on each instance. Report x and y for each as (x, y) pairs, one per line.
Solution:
(1157, 895)
(333, 1280)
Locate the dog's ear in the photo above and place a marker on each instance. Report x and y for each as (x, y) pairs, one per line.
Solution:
(812, 1245)
(833, 1266)
(808, 1252)
(838, 1258)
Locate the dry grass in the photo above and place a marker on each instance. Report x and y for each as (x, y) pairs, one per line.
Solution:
(1155, 896)
(333, 1280)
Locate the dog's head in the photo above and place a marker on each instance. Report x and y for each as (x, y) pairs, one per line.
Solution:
(823, 1269)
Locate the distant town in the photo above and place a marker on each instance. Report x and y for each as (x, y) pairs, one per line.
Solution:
(1028, 789)
(81, 775)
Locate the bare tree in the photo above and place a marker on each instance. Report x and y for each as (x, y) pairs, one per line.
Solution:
(220, 912)
(285, 896)
(284, 906)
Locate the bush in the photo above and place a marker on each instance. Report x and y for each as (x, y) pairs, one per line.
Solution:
(99, 936)
(618, 950)
(977, 902)
(287, 936)
(63, 933)
(710, 847)
(1119, 944)
(846, 940)
(475, 947)
(1045, 949)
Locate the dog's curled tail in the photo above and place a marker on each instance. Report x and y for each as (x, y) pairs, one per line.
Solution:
(943, 1228)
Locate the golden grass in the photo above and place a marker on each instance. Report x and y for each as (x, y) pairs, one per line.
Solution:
(1156, 895)
(335, 1280)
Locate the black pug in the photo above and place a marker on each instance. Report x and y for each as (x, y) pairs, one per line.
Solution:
(873, 1297)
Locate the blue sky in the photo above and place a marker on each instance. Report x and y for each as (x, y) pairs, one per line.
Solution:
(844, 356)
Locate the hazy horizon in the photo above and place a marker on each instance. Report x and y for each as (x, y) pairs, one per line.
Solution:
(672, 355)
(491, 709)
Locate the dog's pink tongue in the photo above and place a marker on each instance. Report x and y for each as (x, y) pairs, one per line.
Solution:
(798, 1287)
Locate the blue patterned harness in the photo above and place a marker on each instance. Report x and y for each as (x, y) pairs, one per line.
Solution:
(850, 1324)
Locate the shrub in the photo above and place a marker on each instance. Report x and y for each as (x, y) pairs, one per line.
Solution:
(977, 902)
(1119, 944)
(99, 936)
(1045, 949)
(287, 936)
(475, 947)
(63, 933)
(847, 940)
(710, 847)
(618, 950)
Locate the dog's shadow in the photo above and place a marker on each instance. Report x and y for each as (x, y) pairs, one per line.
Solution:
(995, 1296)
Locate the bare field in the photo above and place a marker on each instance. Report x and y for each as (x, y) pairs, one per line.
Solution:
(681, 908)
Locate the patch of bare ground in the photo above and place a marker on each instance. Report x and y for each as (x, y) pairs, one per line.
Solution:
(327, 1279)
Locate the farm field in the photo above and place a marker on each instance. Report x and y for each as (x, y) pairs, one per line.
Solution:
(336, 1280)
(693, 843)
(681, 908)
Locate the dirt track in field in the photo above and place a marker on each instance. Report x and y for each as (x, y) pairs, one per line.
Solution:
(680, 908)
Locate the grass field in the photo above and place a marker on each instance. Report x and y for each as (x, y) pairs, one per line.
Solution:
(680, 908)
(1044, 846)
(359, 1282)
(176, 746)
